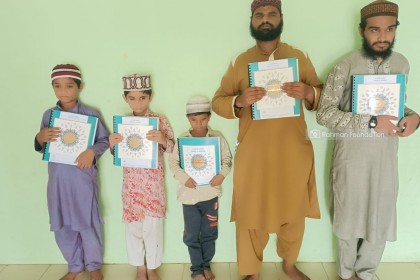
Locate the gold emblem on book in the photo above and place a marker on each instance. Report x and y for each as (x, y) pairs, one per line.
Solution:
(69, 137)
(198, 162)
(377, 103)
(274, 89)
(134, 142)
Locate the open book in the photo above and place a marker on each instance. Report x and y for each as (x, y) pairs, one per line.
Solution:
(77, 134)
(379, 94)
(135, 150)
(271, 75)
(200, 157)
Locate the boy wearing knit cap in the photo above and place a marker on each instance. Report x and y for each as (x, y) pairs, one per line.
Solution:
(143, 189)
(364, 171)
(72, 189)
(200, 203)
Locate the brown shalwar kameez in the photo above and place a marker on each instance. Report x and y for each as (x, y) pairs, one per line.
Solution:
(274, 174)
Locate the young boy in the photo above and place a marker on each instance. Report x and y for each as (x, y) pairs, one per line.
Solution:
(72, 189)
(143, 190)
(200, 203)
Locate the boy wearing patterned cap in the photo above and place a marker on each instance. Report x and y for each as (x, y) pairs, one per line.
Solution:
(72, 189)
(143, 189)
(200, 203)
(364, 171)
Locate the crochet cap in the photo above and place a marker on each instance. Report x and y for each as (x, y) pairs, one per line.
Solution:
(136, 82)
(259, 3)
(379, 8)
(198, 104)
(66, 71)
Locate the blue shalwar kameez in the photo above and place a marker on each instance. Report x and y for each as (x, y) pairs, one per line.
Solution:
(73, 202)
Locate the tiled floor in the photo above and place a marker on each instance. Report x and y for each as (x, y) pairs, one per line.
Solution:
(223, 271)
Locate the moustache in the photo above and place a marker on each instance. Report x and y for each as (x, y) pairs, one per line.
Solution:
(265, 23)
(385, 42)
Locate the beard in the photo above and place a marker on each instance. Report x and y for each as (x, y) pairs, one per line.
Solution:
(266, 35)
(373, 53)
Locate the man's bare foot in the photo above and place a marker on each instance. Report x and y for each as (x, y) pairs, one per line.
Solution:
(252, 277)
(152, 274)
(199, 277)
(209, 275)
(70, 275)
(96, 275)
(293, 272)
(141, 273)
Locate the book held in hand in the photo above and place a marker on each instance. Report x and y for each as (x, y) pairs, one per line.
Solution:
(379, 94)
(200, 157)
(77, 133)
(271, 75)
(135, 150)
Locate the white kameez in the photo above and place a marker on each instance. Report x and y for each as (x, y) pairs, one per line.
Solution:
(364, 174)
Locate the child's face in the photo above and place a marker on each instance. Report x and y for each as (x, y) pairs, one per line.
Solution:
(199, 122)
(67, 91)
(138, 102)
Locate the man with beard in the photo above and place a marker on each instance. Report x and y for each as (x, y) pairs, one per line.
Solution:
(364, 175)
(274, 174)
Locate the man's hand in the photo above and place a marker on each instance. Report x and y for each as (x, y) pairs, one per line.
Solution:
(387, 125)
(408, 125)
(250, 95)
(300, 91)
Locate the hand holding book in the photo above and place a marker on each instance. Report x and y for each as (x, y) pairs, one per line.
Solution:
(85, 159)
(48, 134)
(156, 136)
(387, 124)
(408, 125)
(249, 96)
(191, 183)
(114, 139)
(217, 180)
(300, 90)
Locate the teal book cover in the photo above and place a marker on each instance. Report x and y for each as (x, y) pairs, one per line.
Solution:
(200, 157)
(271, 75)
(77, 133)
(135, 150)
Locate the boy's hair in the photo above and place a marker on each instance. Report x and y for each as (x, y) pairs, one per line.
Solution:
(199, 113)
(148, 92)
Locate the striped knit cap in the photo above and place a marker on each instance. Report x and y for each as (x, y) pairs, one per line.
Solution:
(259, 3)
(66, 71)
(379, 8)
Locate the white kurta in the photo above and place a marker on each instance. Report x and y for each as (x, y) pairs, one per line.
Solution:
(364, 172)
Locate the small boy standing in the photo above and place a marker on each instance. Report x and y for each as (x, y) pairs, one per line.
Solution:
(72, 190)
(143, 190)
(200, 203)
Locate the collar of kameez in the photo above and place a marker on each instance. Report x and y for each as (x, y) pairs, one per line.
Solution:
(271, 55)
(73, 110)
(147, 114)
(209, 133)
